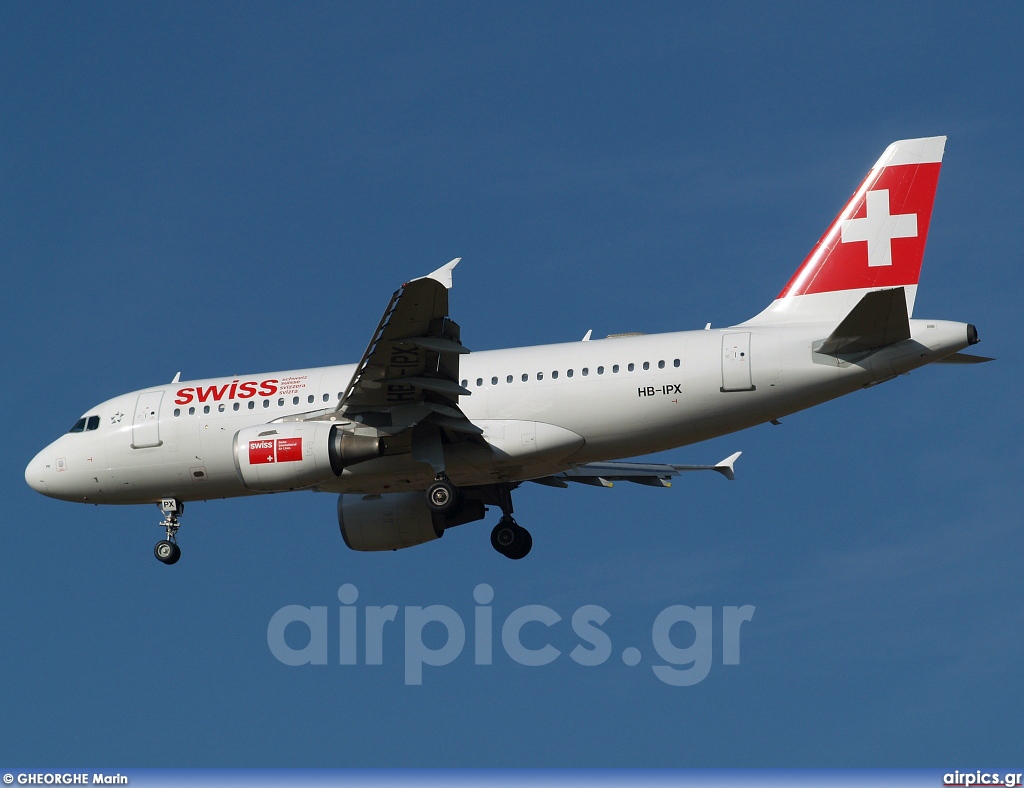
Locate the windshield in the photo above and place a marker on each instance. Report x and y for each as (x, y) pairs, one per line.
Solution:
(86, 423)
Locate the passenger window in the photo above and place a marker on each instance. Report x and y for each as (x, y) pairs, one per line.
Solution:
(526, 377)
(675, 363)
(647, 365)
(79, 425)
(295, 400)
(585, 372)
(177, 412)
(554, 375)
(94, 423)
(235, 406)
(465, 383)
(615, 367)
(280, 402)
(661, 364)
(252, 404)
(479, 382)
(600, 370)
(206, 408)
(191, 411)
(221, 407)
(266, 402)
(540, 376)
(508, 379)
(568, 373)
(309, 399)
(630, 367)
(494, 381)
(326, 397)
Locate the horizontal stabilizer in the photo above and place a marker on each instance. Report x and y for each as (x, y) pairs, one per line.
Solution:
(879, 319)
(964, 358)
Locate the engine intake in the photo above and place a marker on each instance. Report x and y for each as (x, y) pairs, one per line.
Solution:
(292, 456)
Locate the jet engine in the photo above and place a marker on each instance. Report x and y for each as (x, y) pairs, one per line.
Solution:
(294, 455)
(397, 520)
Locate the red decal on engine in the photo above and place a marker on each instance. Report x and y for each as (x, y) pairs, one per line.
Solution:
(261, 452)
(289, 449)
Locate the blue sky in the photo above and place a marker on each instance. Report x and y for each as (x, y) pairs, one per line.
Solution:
(237, 188)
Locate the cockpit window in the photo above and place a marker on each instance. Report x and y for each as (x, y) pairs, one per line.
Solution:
(86, 423)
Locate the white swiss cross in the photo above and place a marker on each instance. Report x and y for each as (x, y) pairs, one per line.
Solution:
(878, 228)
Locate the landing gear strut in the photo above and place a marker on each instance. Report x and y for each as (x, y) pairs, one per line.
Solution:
(167, 550)
(508, 537)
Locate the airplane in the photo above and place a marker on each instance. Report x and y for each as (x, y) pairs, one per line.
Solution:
(421, 434)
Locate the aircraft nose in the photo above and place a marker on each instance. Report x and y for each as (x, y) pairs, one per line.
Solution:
(35, 474)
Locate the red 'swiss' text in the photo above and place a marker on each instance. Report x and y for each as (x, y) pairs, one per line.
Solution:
(233, 390)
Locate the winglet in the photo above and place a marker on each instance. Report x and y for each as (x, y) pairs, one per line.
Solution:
(443, 274)
(725, 467)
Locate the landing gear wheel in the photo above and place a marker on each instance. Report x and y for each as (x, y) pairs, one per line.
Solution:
(442, 496)
(503, 535)
(524, 543)
(167, 552)
(511, 539)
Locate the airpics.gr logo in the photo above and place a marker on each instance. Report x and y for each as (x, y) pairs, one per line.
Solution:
(537, 625)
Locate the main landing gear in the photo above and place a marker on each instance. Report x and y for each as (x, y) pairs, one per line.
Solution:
(508, 537)
(442, 495)
(167, 550)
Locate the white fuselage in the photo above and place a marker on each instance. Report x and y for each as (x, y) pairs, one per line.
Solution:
(542, 409)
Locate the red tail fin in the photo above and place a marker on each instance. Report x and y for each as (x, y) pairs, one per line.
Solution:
(876, 241)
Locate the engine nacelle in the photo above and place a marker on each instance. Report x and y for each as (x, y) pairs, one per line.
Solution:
(397, 520)
(295, 455)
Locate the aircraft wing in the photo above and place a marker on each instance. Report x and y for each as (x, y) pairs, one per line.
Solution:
(603, 474)
(409, 372)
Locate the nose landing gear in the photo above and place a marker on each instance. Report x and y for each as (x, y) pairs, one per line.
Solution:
(167, 550)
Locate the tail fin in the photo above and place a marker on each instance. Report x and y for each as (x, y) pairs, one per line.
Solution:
(877, 240)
